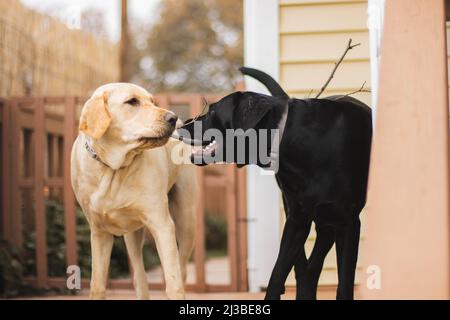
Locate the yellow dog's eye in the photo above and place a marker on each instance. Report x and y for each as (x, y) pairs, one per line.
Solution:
(133, 102)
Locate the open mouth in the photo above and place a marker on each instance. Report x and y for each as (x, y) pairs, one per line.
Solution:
(209, 150)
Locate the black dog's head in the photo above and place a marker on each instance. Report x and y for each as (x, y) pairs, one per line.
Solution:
(231, 129)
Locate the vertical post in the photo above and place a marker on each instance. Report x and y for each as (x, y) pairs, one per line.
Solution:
(40, 212)
(124, 43)
(199, 254)
(261, 25)
(16, 212)
(232, 224)
(407, 221)
(6, 170)
(241, 219)
(375, 23)
(241, 209)
(69, 198)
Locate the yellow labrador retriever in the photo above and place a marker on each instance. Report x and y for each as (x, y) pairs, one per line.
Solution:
(125, 181)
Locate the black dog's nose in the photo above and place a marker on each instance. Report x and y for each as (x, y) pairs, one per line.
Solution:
(171, 119)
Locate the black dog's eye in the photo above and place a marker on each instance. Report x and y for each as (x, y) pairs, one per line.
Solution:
(133, 101)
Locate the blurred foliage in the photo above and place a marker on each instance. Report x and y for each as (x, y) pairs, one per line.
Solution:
(12, 267)
(14, 263)
(216, 233)
(196, 45)
(56, 247)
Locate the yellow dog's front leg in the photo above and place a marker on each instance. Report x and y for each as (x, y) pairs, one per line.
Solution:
(135, 242)
(101, 246)
(162, 228)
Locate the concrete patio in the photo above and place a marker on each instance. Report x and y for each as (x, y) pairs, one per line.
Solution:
(324, 293)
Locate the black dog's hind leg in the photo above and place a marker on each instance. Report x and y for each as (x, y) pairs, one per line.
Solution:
(307, 273)
(347, 241)
(294, 236)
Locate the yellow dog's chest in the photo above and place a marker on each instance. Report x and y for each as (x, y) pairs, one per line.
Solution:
(117, 222)
(119, 204)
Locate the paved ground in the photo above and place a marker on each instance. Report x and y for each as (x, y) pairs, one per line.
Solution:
(324, 293)
(217, 271)
(159, 295)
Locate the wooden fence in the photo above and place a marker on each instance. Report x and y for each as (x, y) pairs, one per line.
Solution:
(36, 140)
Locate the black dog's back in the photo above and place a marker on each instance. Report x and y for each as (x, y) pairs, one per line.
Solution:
(352, 100)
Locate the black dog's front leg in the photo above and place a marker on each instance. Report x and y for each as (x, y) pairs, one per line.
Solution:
(294, 236)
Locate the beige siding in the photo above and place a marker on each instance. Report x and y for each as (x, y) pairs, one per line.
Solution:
(321, 18)
(313, 35)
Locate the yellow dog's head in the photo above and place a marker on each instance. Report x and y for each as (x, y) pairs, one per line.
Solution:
(126, 114)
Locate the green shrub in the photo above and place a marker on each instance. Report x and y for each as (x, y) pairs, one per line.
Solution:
(11, 268)
(56, 247)
(12, 283)
(216, 233)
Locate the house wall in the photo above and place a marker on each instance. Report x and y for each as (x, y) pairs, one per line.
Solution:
(313, 34)
(407, 221)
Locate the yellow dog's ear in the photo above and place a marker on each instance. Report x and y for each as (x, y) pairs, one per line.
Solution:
(95, 118)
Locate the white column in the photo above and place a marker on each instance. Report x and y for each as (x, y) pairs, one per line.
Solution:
(375, 12)
(263, 196)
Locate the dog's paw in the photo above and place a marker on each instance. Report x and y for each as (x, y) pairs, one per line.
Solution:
(97, 295)
(176, 294)
(272, 296)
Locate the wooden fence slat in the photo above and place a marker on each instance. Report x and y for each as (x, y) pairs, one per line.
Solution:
(16, 212)
(199, 254)
(241, 216)
(232, 225)
(69, 198)
(40, 212)
(241, 209)
(6, 171)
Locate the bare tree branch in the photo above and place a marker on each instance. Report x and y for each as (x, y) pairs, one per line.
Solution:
(309, 94)
(205, 106)
(336, 65)
(361, 89)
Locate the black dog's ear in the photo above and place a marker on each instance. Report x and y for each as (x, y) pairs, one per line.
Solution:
(249, 111)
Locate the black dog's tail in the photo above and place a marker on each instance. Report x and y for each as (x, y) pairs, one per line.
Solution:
(270, 83)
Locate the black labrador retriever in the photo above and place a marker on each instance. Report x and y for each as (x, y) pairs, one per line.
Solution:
(323, 162)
